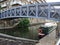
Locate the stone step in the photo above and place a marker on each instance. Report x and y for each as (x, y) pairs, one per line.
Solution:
(11, 40)
(14, 42)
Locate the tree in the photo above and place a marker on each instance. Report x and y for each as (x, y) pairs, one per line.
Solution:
(23, 25)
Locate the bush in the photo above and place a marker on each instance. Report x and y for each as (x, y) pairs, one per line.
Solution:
(23, 25)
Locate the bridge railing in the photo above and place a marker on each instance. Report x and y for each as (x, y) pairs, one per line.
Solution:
(43, 10)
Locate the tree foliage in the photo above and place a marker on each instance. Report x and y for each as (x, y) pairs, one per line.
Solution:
(23, 25)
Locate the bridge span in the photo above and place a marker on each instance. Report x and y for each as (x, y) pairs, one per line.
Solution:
(38, 10)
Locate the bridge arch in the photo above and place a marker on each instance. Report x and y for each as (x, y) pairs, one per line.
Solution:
(43, 10)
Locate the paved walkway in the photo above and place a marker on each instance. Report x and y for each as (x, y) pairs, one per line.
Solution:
(48, 40)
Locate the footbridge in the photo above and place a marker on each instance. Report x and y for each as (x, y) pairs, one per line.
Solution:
(37, 10)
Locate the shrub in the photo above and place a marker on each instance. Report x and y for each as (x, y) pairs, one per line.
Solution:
(23, 25)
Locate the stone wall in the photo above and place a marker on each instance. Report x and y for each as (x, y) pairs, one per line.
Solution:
(10, 40)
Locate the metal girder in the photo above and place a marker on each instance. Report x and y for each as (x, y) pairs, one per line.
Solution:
(37, 10)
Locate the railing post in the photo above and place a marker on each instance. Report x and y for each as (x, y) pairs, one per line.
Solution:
(36, 10)
(49, 10)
